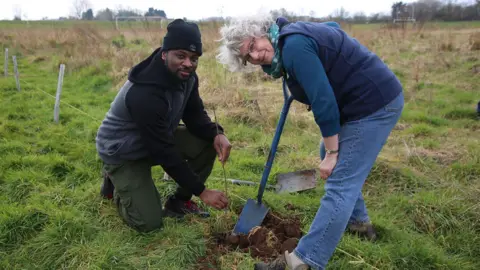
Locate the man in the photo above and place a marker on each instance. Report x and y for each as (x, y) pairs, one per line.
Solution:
(142, 129)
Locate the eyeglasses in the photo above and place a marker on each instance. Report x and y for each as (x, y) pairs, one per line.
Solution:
(250, 50)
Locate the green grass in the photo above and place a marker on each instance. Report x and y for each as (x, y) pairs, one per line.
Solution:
(422, 192)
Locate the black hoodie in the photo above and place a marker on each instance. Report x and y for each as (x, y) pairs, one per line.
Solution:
(144, 115)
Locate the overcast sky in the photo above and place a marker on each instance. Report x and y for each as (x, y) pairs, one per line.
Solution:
(191, 9)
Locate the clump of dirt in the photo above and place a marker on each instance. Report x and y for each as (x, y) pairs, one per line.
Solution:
(275, 235)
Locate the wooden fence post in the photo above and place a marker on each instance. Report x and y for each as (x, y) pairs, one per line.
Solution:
(15, 69)
(56, 110)
(5, 67)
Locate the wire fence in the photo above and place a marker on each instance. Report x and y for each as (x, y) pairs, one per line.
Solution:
(19, 81)
(15, 58)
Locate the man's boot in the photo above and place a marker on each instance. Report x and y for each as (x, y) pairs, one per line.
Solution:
(107, 188)
(179, 208)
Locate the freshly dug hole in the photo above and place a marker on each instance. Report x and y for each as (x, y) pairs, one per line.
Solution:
(275, 235)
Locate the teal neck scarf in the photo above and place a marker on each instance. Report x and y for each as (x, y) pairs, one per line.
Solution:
(275, 69)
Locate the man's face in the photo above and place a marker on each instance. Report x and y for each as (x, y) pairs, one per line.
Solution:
(181, 63)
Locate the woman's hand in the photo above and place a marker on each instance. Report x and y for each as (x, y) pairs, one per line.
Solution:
(327, 165)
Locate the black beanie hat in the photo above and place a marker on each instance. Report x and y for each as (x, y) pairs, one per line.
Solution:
(182, 35)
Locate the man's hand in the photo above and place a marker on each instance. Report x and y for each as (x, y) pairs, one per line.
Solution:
(327, 165)
(223, 147)
(214, 198)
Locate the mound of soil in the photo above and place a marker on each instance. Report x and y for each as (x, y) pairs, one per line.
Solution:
(275, 235)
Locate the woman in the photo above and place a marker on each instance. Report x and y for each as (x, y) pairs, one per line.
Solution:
(356, 101)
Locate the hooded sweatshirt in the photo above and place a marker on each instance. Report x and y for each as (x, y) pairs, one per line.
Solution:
(144, 115)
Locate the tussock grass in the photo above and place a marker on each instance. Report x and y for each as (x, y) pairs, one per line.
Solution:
(422, 193)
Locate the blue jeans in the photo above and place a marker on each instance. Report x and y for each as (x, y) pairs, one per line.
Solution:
(360, 142)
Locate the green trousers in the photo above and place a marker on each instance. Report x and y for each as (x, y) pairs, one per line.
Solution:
(137, 199)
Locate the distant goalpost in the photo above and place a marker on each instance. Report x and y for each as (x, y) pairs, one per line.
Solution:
(405, 14)
(161, 19)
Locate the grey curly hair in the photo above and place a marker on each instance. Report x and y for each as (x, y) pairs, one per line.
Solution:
(234, 33)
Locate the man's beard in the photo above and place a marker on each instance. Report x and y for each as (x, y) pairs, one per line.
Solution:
(182, 77)
(177, 73)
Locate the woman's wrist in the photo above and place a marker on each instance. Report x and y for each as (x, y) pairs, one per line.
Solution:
(332, 155)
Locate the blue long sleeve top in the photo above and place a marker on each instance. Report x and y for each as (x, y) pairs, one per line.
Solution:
(300, 60)
(358, 83)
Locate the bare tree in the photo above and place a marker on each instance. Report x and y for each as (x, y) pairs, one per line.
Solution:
(17, 13)
(80, 6)
(340, 14)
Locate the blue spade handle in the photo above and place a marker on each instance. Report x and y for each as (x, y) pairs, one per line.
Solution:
(283, 115)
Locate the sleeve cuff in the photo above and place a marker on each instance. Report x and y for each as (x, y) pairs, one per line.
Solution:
(198, 188)
(329, 128)
(214, 132)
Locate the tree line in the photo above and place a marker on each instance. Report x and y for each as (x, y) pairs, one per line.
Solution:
(448, 10)
(109, 14)
(421, 11)
(82, 10)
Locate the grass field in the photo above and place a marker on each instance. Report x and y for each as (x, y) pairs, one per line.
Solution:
(422, 193)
